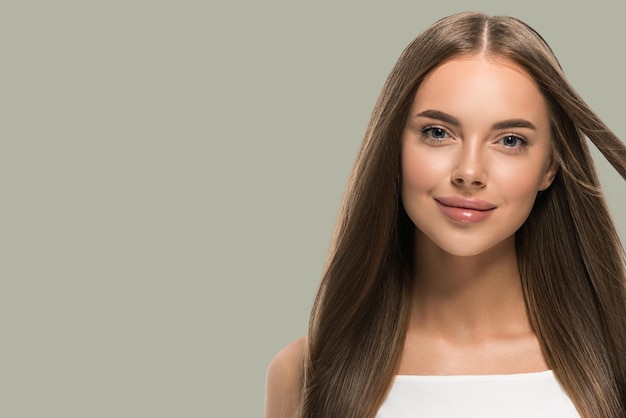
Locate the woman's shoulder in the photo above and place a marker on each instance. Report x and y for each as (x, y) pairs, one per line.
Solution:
(287, 363)
(283, 380)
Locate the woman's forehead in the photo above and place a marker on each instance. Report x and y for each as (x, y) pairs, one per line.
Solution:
(481, 87)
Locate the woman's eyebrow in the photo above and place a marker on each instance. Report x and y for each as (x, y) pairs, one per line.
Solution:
(505, 124)
(514, 123)
(439, 115)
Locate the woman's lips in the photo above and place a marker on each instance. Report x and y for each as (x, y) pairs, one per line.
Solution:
(465, 210)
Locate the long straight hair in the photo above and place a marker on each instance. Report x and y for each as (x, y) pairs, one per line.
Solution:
(570, 257)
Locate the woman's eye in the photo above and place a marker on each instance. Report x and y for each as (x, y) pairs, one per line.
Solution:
(436, 133)
(512, 141)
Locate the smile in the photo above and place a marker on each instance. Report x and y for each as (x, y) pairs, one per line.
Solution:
(464, 210)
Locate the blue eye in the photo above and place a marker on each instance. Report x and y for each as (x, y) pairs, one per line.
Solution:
(512, 141)
(436, 133)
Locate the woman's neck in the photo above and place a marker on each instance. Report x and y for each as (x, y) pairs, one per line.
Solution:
(469, 297)
(469, 316)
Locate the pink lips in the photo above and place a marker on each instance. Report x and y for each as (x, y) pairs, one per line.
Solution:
(465, 210)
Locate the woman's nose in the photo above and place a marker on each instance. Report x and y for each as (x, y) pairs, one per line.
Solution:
(470, 170)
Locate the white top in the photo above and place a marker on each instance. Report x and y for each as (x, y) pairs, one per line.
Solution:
(537, 395)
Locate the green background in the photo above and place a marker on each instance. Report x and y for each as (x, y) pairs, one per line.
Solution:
(171, 173)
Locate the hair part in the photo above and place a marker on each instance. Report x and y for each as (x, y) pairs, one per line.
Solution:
(570, 256)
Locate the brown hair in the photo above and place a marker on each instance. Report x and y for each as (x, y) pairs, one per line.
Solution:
(570, 257)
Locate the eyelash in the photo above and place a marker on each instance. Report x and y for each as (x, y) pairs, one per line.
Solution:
(426, 135)
(512, 150)
(428, 138)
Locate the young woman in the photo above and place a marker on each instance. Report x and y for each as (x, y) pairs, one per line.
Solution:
(475, 270)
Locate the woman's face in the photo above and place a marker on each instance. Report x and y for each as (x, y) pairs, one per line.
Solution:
(476, 149)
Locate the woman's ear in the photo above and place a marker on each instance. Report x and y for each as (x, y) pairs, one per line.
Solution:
(550, 173)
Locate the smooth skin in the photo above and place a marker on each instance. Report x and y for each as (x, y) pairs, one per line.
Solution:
(283, 381)
(478, 131)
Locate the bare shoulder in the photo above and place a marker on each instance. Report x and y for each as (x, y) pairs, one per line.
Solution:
(282, 383)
